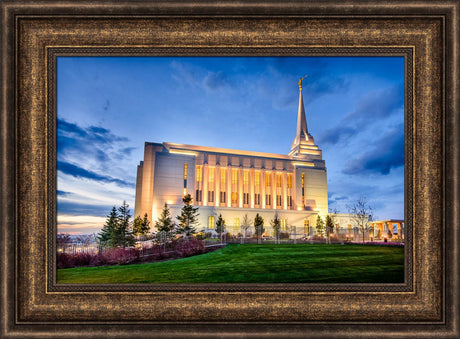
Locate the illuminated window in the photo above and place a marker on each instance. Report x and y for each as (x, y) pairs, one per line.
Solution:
(349, 228)
(199, 173)
(211, 174)
(210, 196)
(185, 179)
(306, 226)
(234, 177)
(222, 197)
(268, 199)
(278, 180)
(236, 225)
(283, 225)
(223, 175)
(257, 178)
(268, 179)
(245, 178)
(289, 181)
(278, 200)
(257, 199)
(234, 198)
(211, 222)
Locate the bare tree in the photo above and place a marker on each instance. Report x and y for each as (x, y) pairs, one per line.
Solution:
(245, 225)
(62, 240)
(361, 213)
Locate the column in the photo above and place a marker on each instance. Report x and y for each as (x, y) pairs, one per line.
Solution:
(205, 184)
(217, 185)
(240, 187)
(229, 186)
(284, 189)
(251, 188)
(274, 190)
(294, 190)
(262, 188)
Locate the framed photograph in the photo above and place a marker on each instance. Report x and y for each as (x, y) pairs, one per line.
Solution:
(61, 166)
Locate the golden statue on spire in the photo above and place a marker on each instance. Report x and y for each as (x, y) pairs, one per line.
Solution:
(300, 82)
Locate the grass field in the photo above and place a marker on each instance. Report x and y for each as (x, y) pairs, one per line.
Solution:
(300, 263)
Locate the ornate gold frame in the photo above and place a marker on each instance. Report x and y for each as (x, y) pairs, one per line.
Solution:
(32, 36)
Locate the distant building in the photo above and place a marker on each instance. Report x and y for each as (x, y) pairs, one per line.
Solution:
(234, 183)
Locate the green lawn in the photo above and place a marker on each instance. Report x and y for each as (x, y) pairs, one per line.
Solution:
(285, 263)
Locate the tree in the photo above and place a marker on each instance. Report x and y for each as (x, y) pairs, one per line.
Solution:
(117, 231)
(329, 226)
(188, 217)
(62, 240)
(141, 225)
(220, 226)
(124, 234)
(105, 236)
(259, 226)
(361, 213)
(319, 226)
(165, 225)
(276, 225)
(245, 225)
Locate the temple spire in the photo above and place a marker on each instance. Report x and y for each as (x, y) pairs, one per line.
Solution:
(302, 130)
(302, 134)
(303, 144)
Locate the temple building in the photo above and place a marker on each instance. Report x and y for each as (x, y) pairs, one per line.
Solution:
(236, 182)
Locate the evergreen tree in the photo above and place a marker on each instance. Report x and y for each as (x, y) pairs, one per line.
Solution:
(259, 226)
(319, 226)
(165, 223)
(123, 235)
(276, 225)
(105, 236)
(220, 226)
(141, 225)
(188, 217)
(329, 226)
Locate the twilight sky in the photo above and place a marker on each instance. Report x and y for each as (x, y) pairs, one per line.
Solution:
(109, 106)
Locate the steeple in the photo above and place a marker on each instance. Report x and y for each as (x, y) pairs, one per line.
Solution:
(303, 142)
(302, 130)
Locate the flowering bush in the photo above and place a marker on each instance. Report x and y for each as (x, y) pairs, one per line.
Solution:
(179, 248)
(187, 247)
(115, 256)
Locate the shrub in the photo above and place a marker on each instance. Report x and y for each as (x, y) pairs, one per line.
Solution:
(187, 247)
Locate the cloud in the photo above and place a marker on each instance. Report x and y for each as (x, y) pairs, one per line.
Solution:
(63, 193)
(375, 106)
(215, 80)
(77, 209)
(334, 135)
(80, 172)
(378, 104)
(72, 137)
(388, 153)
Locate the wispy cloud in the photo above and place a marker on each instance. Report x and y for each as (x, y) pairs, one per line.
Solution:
(373, 108)
(79, 172)
(388, 153)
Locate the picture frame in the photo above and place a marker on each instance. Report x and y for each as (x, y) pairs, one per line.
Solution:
(33, 36)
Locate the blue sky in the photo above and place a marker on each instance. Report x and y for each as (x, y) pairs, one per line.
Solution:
(109, 106)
